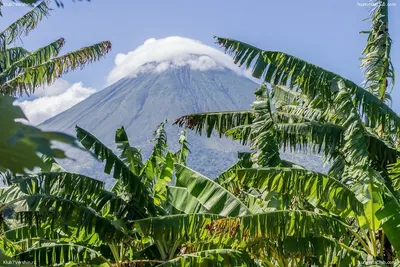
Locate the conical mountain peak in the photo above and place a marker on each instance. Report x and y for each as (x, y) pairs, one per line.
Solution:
(152, 86)
(141, 102)
(171, 52)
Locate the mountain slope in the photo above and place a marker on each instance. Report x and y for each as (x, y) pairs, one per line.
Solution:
(141, 103)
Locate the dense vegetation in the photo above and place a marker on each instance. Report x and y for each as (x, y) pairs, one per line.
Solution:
(263, 211)
(21, 72)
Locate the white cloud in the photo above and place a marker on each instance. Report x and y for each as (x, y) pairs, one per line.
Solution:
(58, 87)
(54, 99)
(153, 55)
(159, 55)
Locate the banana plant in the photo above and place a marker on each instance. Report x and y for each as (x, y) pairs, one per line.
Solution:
(320, 111)
(69, 218)
(21, 73)
(206, 215)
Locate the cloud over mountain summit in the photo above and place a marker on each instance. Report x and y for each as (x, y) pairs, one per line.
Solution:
(162, 54)
(152, 56)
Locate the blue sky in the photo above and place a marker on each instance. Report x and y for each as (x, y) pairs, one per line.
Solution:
(324, 32)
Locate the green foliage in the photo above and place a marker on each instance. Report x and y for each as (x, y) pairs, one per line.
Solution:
(50, 254)
(376, 62)
(36, 75)
(262, 211)
(138, 192)
(55, 196)
(182, 154)
(213, 198)
(318, 189)
(25, 24)
(321, 111)
(23, 72)
(221, 122)
(312, 81)
(217, 257)
(21, 143)
(130, 155)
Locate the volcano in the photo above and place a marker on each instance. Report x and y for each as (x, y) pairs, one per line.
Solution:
(141, 103)
(183, 77)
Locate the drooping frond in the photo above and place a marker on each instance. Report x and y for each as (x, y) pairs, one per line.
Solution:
(48, 72)
(34, 232)
(376, 112)
(139, 193)
(313, 81)
(280, 68)
(288, 113)
(376, 62)
(274, 225)
(187, 227)
(79, 188)
(382, 207)
(238, 231)
(318, 189)
(318, 136)
(53, 253)
(328, 137)
(218, 121)
(214, 198)
(55, 210)
(10, 55)
(24, 25)
(38, 57)
(75, 186)
(381, 150)
(309, 131)
(282, 95)
(338, 163)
